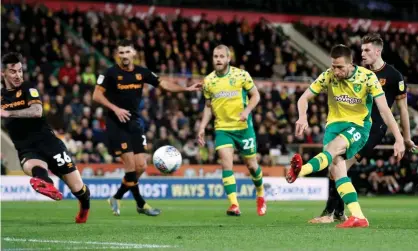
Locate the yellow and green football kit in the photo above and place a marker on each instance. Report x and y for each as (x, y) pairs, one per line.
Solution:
(228, 96)
(350, 104)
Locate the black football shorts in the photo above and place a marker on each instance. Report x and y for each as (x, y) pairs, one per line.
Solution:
(51, 150)
(125, 137)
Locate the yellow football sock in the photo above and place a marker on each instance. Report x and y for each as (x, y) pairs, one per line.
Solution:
(230, 186)
(316, 164)
(355, 210)
(349, 195)
(233, 200)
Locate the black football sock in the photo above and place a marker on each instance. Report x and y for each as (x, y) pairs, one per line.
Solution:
(84, 197)
(332, 197)
(41, 173)
(127, 182)
(140, 202)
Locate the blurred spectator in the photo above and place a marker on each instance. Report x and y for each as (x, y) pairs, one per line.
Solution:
(67, 74)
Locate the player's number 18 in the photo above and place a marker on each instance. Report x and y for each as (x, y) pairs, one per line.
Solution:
(356, 135)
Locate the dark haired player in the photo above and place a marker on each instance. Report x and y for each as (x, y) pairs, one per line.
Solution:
(395, 90)
(351, 90)
(120, 90)
(37, 146)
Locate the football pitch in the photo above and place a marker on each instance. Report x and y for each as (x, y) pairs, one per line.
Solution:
(203, 225)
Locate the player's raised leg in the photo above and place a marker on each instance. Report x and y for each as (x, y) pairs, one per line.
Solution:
(348, 194)
(316, 164)
(141, 206)
(257, 178)
(226, 155)
(128, 181)
(81, 192)
(40, 181)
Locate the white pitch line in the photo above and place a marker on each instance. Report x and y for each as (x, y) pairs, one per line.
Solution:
(78, 248)
(94, 243)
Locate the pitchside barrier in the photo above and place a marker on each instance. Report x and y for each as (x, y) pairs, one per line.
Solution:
(17, 188)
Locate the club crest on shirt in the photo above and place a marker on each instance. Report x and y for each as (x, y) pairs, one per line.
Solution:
(33, 92)
(18, 93)
(232, 81)
(357, 87)
(382, 81)
(401, 86)
(138, 76)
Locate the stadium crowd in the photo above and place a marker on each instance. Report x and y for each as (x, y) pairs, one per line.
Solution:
(73, 48)
(400, 47)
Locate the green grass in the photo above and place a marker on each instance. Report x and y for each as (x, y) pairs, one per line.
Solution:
(203, 225)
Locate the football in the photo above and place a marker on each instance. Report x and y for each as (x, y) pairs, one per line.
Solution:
(167, 159)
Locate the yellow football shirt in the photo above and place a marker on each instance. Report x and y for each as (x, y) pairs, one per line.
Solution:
(349, 100)
(228, 95)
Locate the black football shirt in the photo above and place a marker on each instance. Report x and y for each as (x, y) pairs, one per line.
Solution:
(394, 87)
(124, 88)
(23, 131)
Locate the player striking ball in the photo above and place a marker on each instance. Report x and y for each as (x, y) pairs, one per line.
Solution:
(226, 91)
(351, 90)
(120, 91)
(37, 146)
(395, 89)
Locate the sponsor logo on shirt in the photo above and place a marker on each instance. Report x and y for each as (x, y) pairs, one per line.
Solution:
(226, 94)
(347, 99)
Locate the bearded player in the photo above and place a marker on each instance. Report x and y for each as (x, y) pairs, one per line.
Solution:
(395, 90)
(351, 90)
(226, 92)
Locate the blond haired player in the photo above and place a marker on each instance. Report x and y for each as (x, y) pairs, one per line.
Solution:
(226, 91)
(351, 90)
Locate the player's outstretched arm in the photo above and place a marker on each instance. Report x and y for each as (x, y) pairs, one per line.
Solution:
(99, 97)
(33, 111)
(207, 116)
(403, 110)
(173, 87)
(382, 105)
(302, 122)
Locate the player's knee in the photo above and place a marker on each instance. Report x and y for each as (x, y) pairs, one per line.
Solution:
(140, 169)
(337, 168)
(129, 165)
(226, 163)
(251, 163)
(30, 164)
(75, 184)
(335, 149)
(73, 181)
